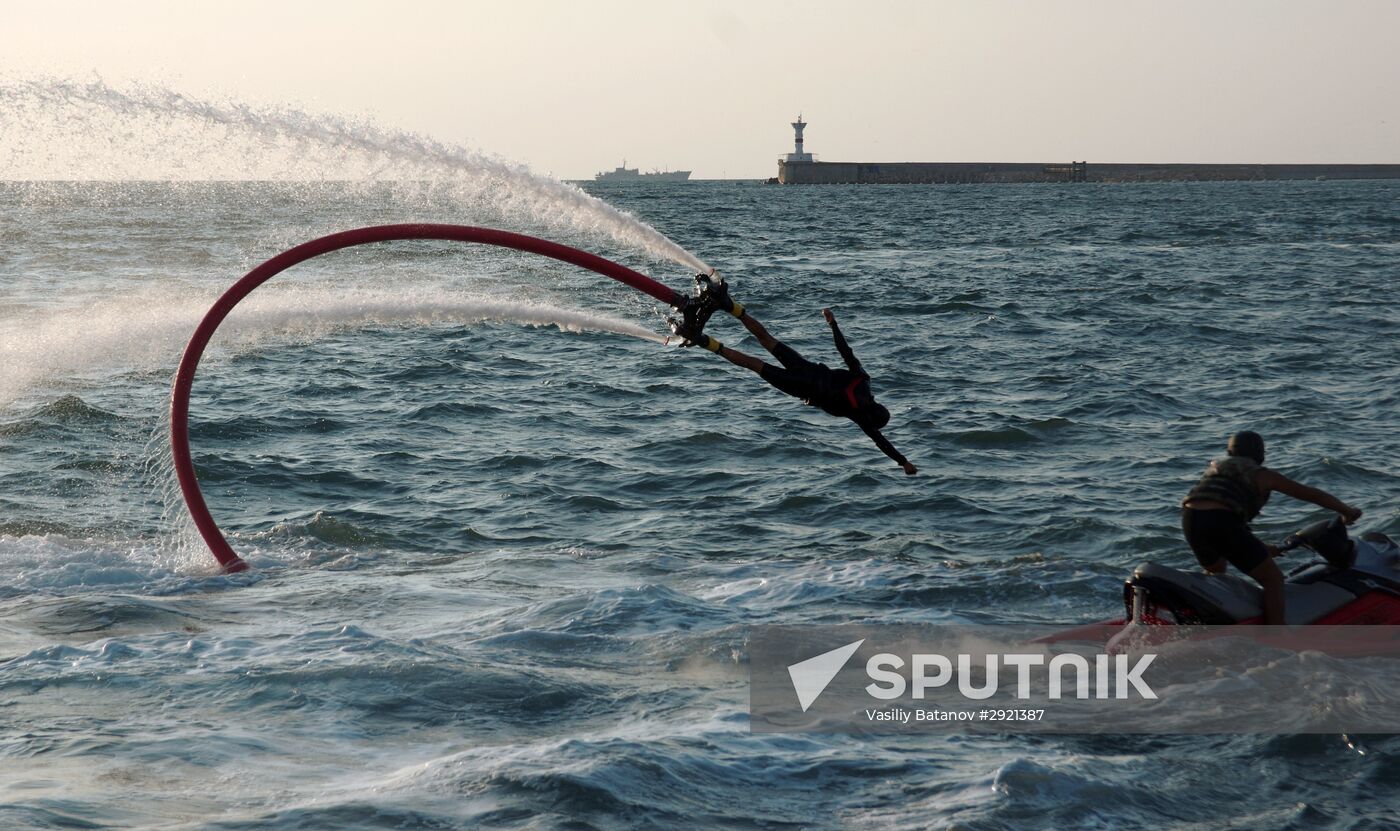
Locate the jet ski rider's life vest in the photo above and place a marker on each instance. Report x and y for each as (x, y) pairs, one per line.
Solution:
(1231, 481)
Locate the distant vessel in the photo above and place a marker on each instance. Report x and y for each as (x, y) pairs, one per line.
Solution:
(632, 174)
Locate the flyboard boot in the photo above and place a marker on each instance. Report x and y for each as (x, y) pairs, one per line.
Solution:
(711, 295)
(716, 292)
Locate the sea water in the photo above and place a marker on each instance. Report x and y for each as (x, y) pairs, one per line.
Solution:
(506, 544)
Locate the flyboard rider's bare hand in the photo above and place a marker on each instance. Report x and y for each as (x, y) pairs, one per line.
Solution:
(909, 468)
(830, 318)
(1351, 515)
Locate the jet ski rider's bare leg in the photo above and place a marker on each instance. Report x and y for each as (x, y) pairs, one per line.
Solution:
(1268, 575)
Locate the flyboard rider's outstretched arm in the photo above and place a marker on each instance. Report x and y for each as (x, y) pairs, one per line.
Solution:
(888, 449)
(841, 346)
(870, 429)
(797, 376)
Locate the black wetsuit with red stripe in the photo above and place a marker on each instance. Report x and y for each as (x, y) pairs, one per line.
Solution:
(844, 393)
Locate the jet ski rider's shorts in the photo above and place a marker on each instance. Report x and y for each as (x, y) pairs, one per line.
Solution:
(1216, 535)
(798, 376)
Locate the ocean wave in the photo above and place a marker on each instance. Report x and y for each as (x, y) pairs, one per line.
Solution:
(56, 563)
(331, 529)
(64, 413)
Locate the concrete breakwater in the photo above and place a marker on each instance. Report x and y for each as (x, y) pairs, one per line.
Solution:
(918, 173)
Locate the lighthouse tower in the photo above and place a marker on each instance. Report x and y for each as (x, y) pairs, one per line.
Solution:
(797, 155)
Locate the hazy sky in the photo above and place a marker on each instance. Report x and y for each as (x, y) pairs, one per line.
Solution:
(571, 88)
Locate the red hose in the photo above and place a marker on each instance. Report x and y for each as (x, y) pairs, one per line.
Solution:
(184, 378)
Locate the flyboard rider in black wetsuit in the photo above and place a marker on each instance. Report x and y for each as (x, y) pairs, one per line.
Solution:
(844, 393)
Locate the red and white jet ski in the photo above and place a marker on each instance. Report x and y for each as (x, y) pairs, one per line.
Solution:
(1354, 582)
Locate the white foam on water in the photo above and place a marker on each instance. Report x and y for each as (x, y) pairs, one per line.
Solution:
(70, 130)
(147, 330)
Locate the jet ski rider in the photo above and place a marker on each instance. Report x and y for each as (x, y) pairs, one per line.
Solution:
(1216, 513)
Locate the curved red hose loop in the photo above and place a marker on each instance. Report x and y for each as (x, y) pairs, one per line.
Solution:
(184, 377)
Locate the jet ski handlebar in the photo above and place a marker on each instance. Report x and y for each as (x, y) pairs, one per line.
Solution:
(1328, 538)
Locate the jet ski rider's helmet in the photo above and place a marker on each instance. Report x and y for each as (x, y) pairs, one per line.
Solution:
(1247, 443)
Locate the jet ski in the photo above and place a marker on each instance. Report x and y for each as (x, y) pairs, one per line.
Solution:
(1351, 582)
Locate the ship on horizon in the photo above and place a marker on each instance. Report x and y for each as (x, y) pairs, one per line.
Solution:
(632, 174)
